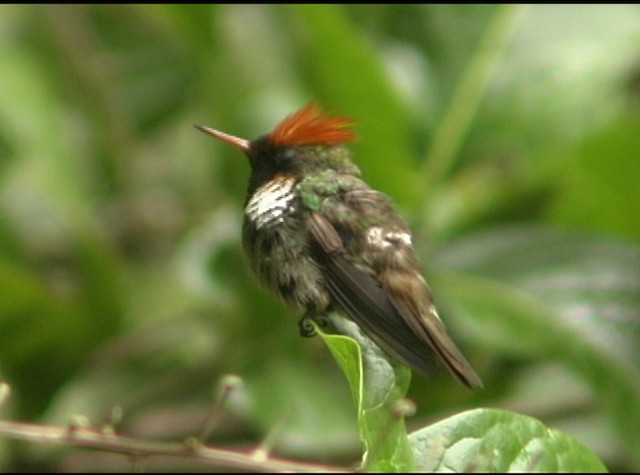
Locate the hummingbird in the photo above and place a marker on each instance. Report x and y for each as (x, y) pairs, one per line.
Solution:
(323, 240)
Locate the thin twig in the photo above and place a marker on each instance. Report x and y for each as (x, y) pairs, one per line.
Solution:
(75, 436)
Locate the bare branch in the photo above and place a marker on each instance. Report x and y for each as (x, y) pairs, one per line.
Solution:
(191, 448)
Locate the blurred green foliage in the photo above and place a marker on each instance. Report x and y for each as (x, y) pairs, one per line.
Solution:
(121, 276)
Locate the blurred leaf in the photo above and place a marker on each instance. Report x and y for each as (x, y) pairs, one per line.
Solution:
(304, 413)
(35, 325)
(560, 79)
(468, 95)
(150, 57)
(599, 190)
(554, 294)
(488, 440)
(345, 71)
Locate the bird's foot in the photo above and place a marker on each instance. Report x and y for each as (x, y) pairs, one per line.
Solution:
(306, 326)
(306, 323)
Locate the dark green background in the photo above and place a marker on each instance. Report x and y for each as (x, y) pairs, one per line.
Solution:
(508, 136)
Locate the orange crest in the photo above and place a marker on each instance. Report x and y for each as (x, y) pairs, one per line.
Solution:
(309, 126)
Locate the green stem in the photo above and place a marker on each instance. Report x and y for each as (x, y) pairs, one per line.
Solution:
(468, 96)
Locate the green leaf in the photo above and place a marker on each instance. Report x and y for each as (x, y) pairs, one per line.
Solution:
(346, 352)
(488, 440)
(378, 387)
(34, 326)
(599, 189)
(339, 61)
(559, 295)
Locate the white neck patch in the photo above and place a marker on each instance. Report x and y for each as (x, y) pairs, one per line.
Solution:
(270, 203)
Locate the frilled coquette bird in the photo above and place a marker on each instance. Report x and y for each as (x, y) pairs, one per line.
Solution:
(317, 235)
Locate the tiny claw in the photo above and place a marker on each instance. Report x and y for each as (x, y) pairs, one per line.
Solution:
(306, 326)
(321, 319)
(308, 319)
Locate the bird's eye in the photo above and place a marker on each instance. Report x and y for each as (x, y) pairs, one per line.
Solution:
(285, 156)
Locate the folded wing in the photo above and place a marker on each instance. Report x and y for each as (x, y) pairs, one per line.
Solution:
(394, 319)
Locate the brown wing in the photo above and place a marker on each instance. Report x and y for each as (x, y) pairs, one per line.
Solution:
(392, 321)
(412, 300)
